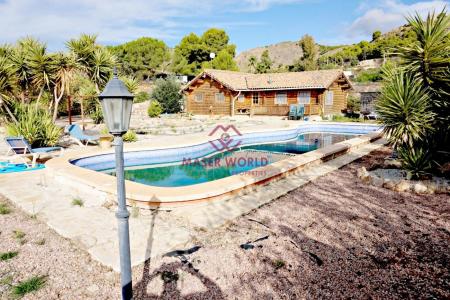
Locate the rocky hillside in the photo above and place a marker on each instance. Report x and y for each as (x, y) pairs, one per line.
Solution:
(284, 53)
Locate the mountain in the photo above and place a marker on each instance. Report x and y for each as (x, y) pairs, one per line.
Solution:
(284, 53)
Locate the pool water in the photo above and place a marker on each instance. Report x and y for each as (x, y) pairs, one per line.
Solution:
(238, 161)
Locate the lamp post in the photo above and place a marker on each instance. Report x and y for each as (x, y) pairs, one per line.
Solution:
(117, 102)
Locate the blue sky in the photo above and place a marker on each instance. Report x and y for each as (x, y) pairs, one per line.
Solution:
(249, 23)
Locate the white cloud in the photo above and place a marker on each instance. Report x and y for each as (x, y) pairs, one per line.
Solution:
(387, 15)
(115, 21)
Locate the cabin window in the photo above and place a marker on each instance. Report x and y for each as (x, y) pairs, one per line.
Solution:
(329, 97)
(241, 98)
(220, 97)
(304, 97)
(198, 97)
(255, 98)
(281, 98)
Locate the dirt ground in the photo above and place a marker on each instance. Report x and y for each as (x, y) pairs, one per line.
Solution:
(334, 238)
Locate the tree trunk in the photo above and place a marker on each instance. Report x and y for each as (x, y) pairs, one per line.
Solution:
(57, 99)
(39, 96)
(8, 111)
(82, 112)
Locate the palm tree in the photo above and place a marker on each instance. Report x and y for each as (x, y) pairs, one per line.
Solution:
(96, 62)
(19, 57)
(65, 67)
(102, 66)
(7, 85)
(429, 55)
(42, 69)
(252, 62)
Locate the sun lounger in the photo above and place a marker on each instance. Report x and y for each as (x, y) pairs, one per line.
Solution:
(77, 134)
(20, 147)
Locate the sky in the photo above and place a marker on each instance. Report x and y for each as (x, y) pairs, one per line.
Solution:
(249, 23)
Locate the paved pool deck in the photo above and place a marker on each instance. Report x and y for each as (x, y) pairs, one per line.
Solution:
(93, 226)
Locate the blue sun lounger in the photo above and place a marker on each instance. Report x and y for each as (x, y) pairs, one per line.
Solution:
(76, 133)
(20, 147)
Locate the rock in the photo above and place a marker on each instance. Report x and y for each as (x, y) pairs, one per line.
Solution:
(389, 184)
(363, 174)
(377, 181)
(432, 187)
(92, 289)
(392, 163)
(403, 186)
(420, 188)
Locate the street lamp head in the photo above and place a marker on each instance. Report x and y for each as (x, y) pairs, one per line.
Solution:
(212, 55)
(116, 102)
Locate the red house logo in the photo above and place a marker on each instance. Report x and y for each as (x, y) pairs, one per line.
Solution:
(225, 142)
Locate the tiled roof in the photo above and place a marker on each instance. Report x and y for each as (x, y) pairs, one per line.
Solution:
(239, 81)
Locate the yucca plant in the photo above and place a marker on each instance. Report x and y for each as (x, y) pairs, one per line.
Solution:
(36, 125)
(404, 108)
(416, 161)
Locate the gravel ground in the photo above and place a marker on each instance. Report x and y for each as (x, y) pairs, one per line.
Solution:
(71, 274)
(333, 238)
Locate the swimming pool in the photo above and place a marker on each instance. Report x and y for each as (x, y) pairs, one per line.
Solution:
(85, 168)
(242, 160)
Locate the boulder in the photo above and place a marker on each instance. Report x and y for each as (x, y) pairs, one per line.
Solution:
(377, 181)
(389, 184)
(363, 174)
(403, 186)
(392, 163)
(420, 188)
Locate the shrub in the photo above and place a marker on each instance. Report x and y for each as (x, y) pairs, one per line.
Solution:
(130, 136)
(35, 125)
(141, 97)
(18, 234)
(279, 263)
(4, 209)
(416, 161)
(354, 103)
(97, 115)
(155, 109)
(369, 76)
(8, 255)
(77, 202)
(339, 118)
(167, 93)
(30, 285)
(403, 108)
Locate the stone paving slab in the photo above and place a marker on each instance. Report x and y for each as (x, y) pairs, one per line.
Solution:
(93, 227)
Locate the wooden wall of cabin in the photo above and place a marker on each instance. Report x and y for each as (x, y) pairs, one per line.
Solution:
(267, 104)
(209, 88)
(339, 90)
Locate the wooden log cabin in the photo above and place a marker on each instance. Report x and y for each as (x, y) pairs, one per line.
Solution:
(218, 92)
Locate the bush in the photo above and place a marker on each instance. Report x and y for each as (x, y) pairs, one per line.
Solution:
(167, 93)
(416, 161)
(35, 125)
(141, 97)
(404, 109)
(155, 109)
(339, 118)
(97, 115)
(369, 76)
(130, 136)
(354, 103)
